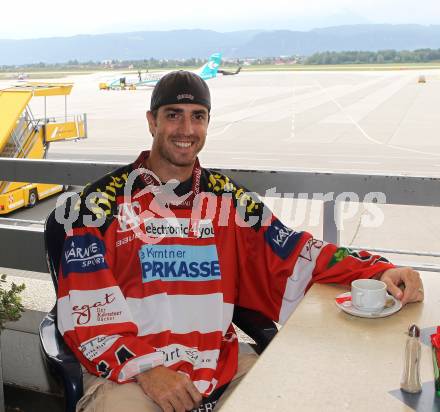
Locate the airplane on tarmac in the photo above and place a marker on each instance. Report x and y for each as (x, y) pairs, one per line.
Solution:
(208, 71)
(22, 77)
(229, 73)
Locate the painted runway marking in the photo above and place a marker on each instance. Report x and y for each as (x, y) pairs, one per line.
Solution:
(365, 134)
(292, 126)
(367, 103)
(354, 162)
(342, 156)
(353, 121)
(407, 149)
(254, 159)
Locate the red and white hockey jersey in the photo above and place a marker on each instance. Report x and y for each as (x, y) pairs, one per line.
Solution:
(147, 281)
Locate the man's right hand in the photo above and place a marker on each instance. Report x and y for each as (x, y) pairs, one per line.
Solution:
(171, 390)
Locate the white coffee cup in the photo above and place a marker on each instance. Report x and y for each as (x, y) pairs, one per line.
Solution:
(368, 295)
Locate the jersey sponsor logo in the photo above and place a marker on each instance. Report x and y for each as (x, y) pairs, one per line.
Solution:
(281, 239)
(128, 216)
(178, 262)
(103, 202)
(248, 205)
(171, 353)
(159, 228)
(173, 227)
(199, 359)
(97, 312)
(83, 254)
(309, 250)
(206, 407)
(125, 240)
(96, 346)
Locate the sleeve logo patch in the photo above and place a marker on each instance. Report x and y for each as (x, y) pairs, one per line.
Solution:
(95, 347)
(83, 254)
(281, 239)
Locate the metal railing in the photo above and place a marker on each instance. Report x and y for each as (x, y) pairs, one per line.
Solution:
(21, 141)
(25, 129)
(399, 190)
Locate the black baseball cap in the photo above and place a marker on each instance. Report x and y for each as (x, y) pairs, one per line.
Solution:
(180, 87)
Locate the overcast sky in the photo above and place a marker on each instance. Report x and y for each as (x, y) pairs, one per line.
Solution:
(46, 18)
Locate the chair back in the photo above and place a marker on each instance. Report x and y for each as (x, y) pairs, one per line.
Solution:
(54, 235)
(60, 360)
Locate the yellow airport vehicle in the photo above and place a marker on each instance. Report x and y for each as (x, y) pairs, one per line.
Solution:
(23, 136)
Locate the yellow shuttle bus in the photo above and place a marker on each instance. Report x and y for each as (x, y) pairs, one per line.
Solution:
(24, 136)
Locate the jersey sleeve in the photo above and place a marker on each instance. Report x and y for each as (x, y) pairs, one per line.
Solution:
(277, 265)
(93, 316)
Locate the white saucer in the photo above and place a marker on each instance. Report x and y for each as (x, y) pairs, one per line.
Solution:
(349, 308)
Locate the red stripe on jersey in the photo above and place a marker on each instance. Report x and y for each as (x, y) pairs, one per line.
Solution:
(201, 341)
(172, 288)
(87, 281)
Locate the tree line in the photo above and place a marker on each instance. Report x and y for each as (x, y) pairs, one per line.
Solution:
(379, 57)
(329, 57)
(145, 64)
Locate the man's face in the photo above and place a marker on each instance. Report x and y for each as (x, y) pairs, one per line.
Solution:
(179, 132)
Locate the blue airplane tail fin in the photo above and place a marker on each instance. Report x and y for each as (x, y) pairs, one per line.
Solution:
(209, 69)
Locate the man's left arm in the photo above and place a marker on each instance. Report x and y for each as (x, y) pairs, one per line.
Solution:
(287, 263)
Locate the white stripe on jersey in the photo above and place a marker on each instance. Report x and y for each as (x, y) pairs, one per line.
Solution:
(64, 317)
(152, 314)
(302, 274)
(181, 313)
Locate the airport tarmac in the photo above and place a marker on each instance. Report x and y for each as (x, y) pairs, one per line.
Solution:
(363, 121)
(339, 121)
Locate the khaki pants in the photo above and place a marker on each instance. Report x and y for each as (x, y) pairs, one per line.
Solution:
(101, 395)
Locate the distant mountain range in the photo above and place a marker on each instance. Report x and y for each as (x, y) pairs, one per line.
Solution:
(201, 43)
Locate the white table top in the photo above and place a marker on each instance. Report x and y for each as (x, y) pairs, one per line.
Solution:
(326, 360)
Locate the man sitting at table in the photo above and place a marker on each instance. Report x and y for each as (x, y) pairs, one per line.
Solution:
(149, 283)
